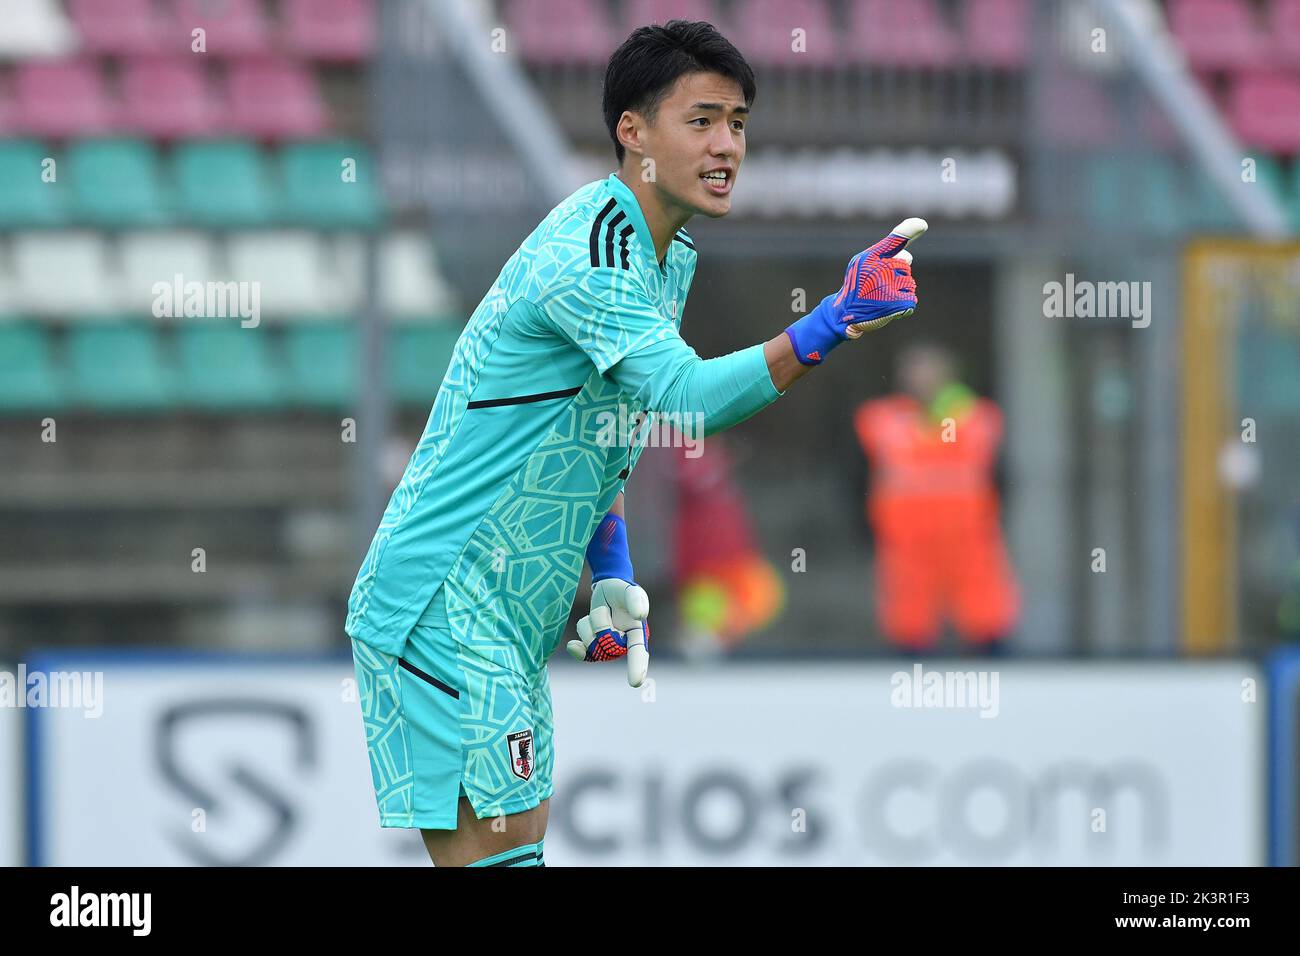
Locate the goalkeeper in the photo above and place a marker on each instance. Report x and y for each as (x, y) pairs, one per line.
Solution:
(468, 584)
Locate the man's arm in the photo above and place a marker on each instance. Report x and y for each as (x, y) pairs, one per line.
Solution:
(617, 507)
(782, 364)
(609, 315)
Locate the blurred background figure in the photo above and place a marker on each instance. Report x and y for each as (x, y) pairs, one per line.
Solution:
(933, 507)
(725, 588)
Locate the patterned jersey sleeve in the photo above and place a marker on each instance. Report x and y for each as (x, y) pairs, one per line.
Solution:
(605, 311)
(608, 314)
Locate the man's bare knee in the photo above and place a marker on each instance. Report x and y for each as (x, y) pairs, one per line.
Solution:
(473, 839)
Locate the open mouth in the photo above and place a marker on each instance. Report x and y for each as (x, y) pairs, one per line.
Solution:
(718, 182)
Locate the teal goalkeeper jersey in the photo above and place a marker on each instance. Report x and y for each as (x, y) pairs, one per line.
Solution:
(521, 459)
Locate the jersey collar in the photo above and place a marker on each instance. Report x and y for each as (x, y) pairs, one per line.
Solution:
(628, 205)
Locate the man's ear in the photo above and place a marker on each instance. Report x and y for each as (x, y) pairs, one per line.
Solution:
(629, 129)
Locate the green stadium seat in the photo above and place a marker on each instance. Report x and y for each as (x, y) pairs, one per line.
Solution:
(418, 356)
(29, 376)
(1163, 185)
(1212, 209)
(25, 198)
(225, 366)
(321, 360)
(1291, 193)
(116, 183)
(315, 193)
(224, 184)
(1118, 187)
(119, 366)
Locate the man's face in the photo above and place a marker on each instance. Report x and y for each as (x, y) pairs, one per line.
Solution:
(697, 143)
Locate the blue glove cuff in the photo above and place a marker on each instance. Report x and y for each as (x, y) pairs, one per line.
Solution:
(814, 335)
(607, 551)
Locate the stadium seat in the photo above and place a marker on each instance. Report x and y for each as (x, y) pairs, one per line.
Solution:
(117, 27)
(315, 193)
(1076, 113)
(411, 284)
(61, 98)
(1291, 192)
(63, 273)
(1211, 210)
(888, 33)
(154, 256)
(418, 357)
(294, 273)
(29, 375)
(1208, 208)
(1264, 110)
(35, 28)
(169, 99)
(116, 183)
(1139, 193)
(225, 366)
(562, 31)
(321, 363)
(996, 32)
(231, 27)
(765, 33)
(25, 198)
(1216, 34)
(333, 30)
(1284, 27)
(638, 13)
(275, 99)
(119, 366)
(223, 184)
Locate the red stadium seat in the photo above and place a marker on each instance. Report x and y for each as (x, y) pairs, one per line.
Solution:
(275, 99)
(889, 33)
(337, 30)
(170, 99)
(1216, 34)
(117, 26)
(1264, 110)
(61, 98)
(1284, 26)
(232, 27)
(562, 31)
(1077, 113)
(641, 13)
(764, 30)
(996, 32)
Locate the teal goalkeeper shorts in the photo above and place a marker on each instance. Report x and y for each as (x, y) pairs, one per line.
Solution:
(442, 722)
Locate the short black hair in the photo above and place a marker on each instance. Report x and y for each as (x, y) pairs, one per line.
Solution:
(644, 68)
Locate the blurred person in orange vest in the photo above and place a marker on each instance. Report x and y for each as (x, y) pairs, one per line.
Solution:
(726, 588)
(933, 508)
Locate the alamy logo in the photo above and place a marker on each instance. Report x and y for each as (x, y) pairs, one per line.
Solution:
(71, 689)
(1102, 300)
(213, 300)
(946, 689)
(102, 909)
(651, 430)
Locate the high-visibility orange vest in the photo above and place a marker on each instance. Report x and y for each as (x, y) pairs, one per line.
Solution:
(930, 476)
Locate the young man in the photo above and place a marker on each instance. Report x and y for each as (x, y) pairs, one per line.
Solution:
(469, 581)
